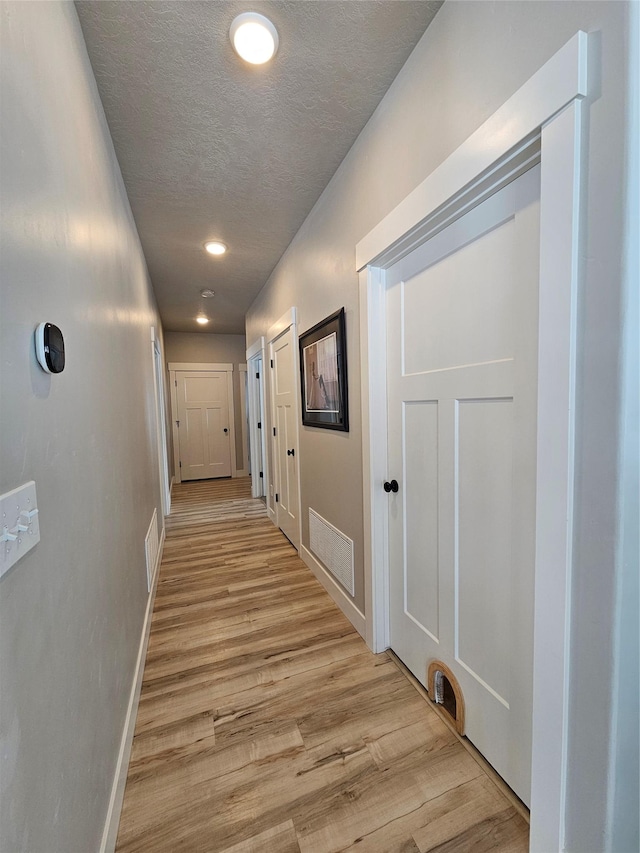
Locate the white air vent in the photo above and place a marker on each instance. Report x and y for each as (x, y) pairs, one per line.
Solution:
(151, 549)
(332, 548)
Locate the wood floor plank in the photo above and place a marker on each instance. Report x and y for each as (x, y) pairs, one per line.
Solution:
(278, 839)
(264, 722)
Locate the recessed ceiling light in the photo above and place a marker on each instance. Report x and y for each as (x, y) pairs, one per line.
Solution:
(202, 320)
(215, 247)
(254, 38)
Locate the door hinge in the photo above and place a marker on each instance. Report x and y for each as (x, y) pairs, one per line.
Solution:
(257, 376)
(271, 362)
(180, 463)
(274, 430)
(261, 474)
(277, 497)
(175, 382)
(178, 424)
(259, 424)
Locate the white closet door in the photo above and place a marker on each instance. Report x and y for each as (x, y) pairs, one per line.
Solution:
(462, 376)
(285, 455)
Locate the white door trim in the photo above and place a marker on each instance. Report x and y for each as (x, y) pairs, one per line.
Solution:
(257, 414)
(176, 366)
(159, 393)
(544, 112)
(242, 377)
(256, 348)
(288, 319)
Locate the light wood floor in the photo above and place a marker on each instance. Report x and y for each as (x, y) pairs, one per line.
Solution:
(265, 724)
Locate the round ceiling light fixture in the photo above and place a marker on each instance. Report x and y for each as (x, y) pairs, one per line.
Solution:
(202, 319)
(207, 294)
(254, 38)
(215, 247)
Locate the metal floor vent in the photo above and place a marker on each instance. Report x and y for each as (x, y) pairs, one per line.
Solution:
(333, 549)
(151, 549)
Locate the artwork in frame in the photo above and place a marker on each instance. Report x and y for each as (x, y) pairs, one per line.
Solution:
(323, 369)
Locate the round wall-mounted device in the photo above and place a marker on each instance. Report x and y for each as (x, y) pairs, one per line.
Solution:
(50, 348)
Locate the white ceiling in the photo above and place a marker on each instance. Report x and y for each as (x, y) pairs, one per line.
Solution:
(211, 147)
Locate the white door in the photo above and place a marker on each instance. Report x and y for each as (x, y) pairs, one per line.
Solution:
(462, 377)
(203, 424)
(285, 443)
(256, 430)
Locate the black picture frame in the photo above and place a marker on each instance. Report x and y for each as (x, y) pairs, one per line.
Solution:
(323, 374)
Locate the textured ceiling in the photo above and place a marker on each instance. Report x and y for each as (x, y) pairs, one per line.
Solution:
(211, 147)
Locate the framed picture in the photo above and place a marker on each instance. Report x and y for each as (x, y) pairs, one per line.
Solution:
(323, 368)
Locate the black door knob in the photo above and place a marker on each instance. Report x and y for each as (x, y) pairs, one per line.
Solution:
(291, 452)
(226, 430)
(391, 487)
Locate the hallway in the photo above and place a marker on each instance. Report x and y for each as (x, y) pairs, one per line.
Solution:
(265, 724)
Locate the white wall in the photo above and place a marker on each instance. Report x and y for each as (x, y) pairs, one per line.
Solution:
(71, 611)
(471, 59)
(199, 347)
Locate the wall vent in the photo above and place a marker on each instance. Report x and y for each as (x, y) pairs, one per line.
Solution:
(151, 549)
(333, 549)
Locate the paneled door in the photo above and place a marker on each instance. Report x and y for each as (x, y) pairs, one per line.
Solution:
(203, 424)
(284, 398)
(462, 388)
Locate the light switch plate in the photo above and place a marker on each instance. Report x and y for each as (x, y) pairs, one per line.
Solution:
(17, 510)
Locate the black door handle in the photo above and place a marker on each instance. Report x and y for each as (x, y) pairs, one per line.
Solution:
(291, 452)
(226, 430)
(391, 487)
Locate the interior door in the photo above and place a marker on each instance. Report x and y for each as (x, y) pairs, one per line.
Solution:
(462, 377)
(203, 428)
(256, 431)
(285, 443)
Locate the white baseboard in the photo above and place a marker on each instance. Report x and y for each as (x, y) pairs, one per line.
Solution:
(272, 515)
(336, 592)
(242, 473)
(110, 833)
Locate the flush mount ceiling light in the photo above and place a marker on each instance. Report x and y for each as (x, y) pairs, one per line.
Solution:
(254, 38)
(207, 294)
(215, 247)
(202, 319)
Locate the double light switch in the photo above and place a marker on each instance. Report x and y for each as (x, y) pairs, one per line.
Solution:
(19, 528)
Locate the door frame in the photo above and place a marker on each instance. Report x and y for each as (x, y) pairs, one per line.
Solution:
(257, 414)
(244, 393)
(177, 367)
(541, 121)
(161, 427)
(288, 319)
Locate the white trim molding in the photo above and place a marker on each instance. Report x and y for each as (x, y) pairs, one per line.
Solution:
(289, 318)
(112, 821)
(339, 596)
(540, 122)
(256, 348)
(244, 390)
(257, 414)
(176, 365)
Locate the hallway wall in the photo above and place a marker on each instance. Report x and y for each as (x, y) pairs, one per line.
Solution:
(213, 349)
(470, 60)
(72, 610)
